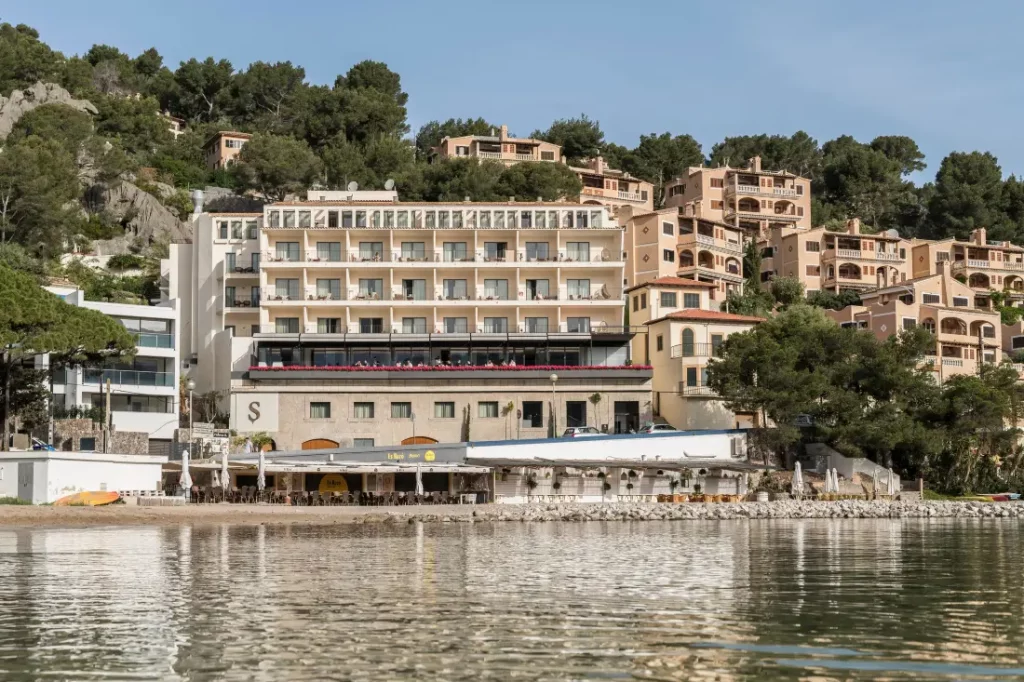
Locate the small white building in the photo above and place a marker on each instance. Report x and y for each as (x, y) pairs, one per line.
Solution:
(144, 389)
(41, 476)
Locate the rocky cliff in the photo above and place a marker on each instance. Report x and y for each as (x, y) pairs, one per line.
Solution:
(144, 218)
(23, 101)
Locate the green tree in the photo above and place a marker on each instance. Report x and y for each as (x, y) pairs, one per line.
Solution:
(797, 154)
(24, 59)
(277, 166)
(202, 88)
(832, 301)
(659, 158)
(580, 138)
(860, 181)
(968, 195)
(431, 133)
(372, 102)
(456, 179)
(318, 117)
(33, 321)
(135, 123)
(787, 291)
(531, 180)
(753, 300)
(264, 95)
(903, 150)
(68, 127)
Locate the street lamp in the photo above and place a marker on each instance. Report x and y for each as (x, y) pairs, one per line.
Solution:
(412, 416)
(191, 386)
(554, 421)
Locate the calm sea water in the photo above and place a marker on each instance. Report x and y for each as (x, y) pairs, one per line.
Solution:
(796, 600)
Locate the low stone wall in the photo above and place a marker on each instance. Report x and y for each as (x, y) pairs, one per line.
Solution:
(783, 509)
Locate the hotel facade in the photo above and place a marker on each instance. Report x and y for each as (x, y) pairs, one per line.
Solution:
(355, 319)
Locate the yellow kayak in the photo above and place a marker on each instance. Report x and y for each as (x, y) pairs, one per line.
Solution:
(87, 499)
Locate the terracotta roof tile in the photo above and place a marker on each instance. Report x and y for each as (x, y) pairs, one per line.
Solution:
(674, 282)
(707, 316)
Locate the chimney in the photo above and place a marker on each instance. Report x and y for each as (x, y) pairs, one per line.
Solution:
(197, 202)
(504, 132)
(979, 236)
(598, 165)
(755, 164)
(853, 226)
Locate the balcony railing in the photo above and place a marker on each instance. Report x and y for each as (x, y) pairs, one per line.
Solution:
(782, 192)
(952, 362)
(593, 255)
(882, 255)
(154, 340)
(524, 157)
(700, 391)
(696, 350)
(489, 155)
(849, 253)
(127, 377)
(630, 196)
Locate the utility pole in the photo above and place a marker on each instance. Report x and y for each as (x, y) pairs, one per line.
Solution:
(7, 399)
(106, 417)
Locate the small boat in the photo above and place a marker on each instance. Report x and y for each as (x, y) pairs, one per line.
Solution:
(87, 499)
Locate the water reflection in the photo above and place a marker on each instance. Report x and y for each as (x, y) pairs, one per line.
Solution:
(786, 599)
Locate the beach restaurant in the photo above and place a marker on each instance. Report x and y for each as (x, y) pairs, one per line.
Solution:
(638, 467)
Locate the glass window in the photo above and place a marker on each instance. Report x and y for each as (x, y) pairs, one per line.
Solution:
(289, 218)
(236, 229)
(578, 252)
(255, 262)
(485, 219)
(319, 410)
(328, 251)
(668, 299)
(533, 414)
(457, 219)
(323, 357)
(455, 290)
(332, 219)
(287, 251)
(579, 288)
(222, 229)
(931, 298)
(362, 442)
(716, 343)
(661, 342)
(414, 251)
(374, 218)
(578, 325)
(286, 325)
(328, 289)
(229, 295)
(487, 409)
(688, 344)
(444, 410)
(414, 289)
(328, 325)
(431, 219)
(511, 220)
(442, 219)
(251, 230)
(595, 218)
(389, 218)
(362, 411)
(668, 255)
(581, 219)
(691, 300)
(371, 288)
(537, 290)
(360, 218)
(456, 325)
(537, 251)
(275, 218)
(229, 261)
(371, 251)
(287, 288)
(539, 219)
(495, 251)
(691, 376)
(814, 247)
(526, 219)
(495, 325)
(499, 219)
(403, 219)
(668, 228)
(346, 218)
(401, 410)
(455, 252)
(496, 289)
(414, 325)
(537, 325)
(371, 325)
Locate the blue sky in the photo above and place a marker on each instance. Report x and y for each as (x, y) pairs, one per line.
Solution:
(942, 72)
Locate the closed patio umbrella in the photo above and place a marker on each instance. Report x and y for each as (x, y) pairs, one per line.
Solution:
(419, 481)
(891, 484)
(225, 477)
(214, 479)
(186, 479)
(835, 481)
(261, 473)
(798, 480)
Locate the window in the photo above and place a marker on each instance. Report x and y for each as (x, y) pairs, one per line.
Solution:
(319, 410)
(414, 289)
(371, 325)
(329, 251)
(496, 289)
(454, 289)
(444, 410)
(371, 251)
(547, 156)
(414, 251)
(813, 247)
(813, 270)
(401, 410)
(286, 251)
(537, 325)
(536, 251)
(495, 251)
(717, 205)
(668, 255)
(289, 218)
(275, 218)
(332, 219)
(495, 325)
(717, 182)
(960, 302)
(668, 228)
(643, 301)
(580, 289)
(328, 289)
(286, 325)
(255, 262)
(229, 261)
(86, 444)
(691, 300)
(456, 325)
(251, 231)
(909, 323)
(362, 411)
(403, 219)
(328, 325)
(716, 343)
(636, 303)
(371, 288)
(643, 195)
(454, 252)
(286, 289)
(578, 252)
(668, 299)
(222, 229)
(236, 229)
(229, 296)
(414, 325)
(931, 298)
(578, 325)
(533, 413)
(661, 343)
(362, 442)
(576, 413)
(360, 218)
(688, 345)
(487, 410)
(1017, 342)
(691, 376)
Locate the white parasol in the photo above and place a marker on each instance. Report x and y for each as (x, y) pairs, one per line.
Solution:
(798, 480)
(419, 481)
(225, 477)
(186, 479)
(261, 472)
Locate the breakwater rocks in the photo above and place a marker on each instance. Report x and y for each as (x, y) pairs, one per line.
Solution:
(782, 509)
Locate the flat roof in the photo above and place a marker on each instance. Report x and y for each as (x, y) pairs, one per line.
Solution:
(226, 133)
(437, 205)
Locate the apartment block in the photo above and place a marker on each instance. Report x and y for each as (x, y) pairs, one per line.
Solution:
(966, 334)
(615, 188)
(144, 389)
(673, 242)
(981, 264)
(223, 148)
(685, 330)
(500, 320)
(752, 199)
(836, 261)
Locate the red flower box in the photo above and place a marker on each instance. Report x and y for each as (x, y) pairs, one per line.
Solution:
(442, 368)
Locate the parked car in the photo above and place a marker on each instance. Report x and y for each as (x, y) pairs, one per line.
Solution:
(657, 428)
(580, 432)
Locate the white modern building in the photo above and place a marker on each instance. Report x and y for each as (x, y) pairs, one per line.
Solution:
(144, 389)
(42, 477)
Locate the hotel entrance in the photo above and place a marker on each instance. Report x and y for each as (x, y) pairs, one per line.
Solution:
(627, 416)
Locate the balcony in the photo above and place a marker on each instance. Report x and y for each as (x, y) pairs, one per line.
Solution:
(697, 391)
(696, 350)
(128, 377)
(154, 340)
(523, 157)
(489, 155)
(242, 304)
(239, 272)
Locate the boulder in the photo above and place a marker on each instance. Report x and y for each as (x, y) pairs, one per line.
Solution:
(142, 215)
(23, 101)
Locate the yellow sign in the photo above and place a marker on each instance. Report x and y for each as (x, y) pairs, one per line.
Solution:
(333, 483)
(429, 456)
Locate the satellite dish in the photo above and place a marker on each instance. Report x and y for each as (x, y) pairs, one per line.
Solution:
(353, 186)
(389, 184)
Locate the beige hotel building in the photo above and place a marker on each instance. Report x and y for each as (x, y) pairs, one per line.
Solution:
(353, 318)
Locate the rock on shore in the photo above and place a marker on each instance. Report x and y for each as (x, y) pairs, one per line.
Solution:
(848, 509)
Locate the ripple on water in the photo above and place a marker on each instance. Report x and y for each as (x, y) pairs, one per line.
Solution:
(781, 599)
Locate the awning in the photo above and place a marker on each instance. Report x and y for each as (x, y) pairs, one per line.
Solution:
(367, 468)
(672, 465)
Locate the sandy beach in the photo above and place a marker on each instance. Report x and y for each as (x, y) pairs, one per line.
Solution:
(252, 514)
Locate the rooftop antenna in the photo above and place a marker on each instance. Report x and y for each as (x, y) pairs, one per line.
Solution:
(389, 184)
(353, 186)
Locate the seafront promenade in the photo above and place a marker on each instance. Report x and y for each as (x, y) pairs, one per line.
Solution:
(259, 514)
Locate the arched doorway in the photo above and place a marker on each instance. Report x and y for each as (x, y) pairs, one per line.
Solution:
(319, 444)
(419, 440)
